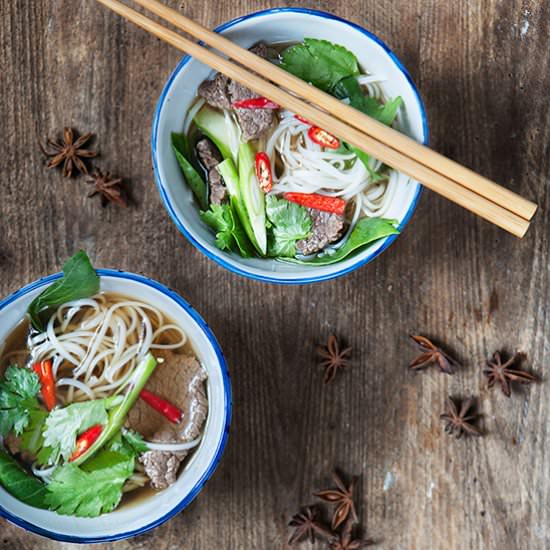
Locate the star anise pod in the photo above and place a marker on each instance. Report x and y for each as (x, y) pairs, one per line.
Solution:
(344, 541)
(333, 357)
(458, 420)
(69, 152)
(108, 188)
(432, 354)
(342, 496)
(497, 371)
(307, 526)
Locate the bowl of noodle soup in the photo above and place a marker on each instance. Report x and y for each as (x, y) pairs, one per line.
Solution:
(299, 165)
(108, 335)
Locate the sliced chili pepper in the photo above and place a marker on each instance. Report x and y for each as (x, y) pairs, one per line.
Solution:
(169, 411)
(45, 373)
(323, 138)
(302, 119)
(264, 172)
(334, 205)
(255, 103)
(86, 440)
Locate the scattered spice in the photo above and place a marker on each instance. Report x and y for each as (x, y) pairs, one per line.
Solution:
(340, 536)
(342, 496)
(307, 526)
(504, 374)
(69, 152)
(345, 540)
(432, 354)
(457, 418)
(333, 357)
(107, 187)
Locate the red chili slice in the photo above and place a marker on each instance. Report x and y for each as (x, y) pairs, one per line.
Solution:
(86, 440)
(161, 405)
(264, 172)
(45, 373)
(335, 205)
(323, 138)
(255, 103)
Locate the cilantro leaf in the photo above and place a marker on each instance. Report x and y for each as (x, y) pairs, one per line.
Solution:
(19, 483)
(290, 222)
(320, 62)
(65, 424)
(79, 281)
(365, 232)
(91, 490)
(128, 442)
(17, 399)
(229, 232)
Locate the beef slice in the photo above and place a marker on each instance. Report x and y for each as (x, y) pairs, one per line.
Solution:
(179, 379)
(221, 92)
(327, 228)
(210, 157)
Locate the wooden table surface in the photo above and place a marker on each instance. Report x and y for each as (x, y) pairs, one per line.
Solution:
(483, 68)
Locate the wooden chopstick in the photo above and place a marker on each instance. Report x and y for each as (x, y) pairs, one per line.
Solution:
(439, 183)
(394, 139)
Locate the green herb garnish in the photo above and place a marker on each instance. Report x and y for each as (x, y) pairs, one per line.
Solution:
(320, 63)
(63, 426)
(79, 281)
(230, 235)
(365, 232)
(90, 490)
(17, 399)
(19, 483)
(180, 145)
(290, 222)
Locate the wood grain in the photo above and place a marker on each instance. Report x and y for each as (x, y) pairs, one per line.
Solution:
(483, 68)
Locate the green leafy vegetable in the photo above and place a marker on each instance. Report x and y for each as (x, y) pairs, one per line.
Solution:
(17, 399)
(320, 62)
(63, 425)
(91, 490)
(79, 281)
(383, 112)
(290, 222)
(180, 145)
(128, 442)
(19, 483)
(229, 233)
(365, 232)
(364, 158)
(117, 414)
(32, 439)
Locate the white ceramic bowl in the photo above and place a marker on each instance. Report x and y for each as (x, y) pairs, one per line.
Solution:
(141, 517)
(280, 25)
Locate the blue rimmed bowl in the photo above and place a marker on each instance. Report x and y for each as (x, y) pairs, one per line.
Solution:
(136, 518)
(272, 26)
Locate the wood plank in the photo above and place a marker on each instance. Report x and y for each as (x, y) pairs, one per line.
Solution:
(484, 71)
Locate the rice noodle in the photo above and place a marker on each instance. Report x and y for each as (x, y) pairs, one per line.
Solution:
(174, 447)
(96, 344)
(307, 168)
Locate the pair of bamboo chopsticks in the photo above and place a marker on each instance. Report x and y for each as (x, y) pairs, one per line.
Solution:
(440, 174)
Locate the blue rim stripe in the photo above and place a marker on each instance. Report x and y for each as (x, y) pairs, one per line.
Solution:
(221, 444)
(218, 257)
